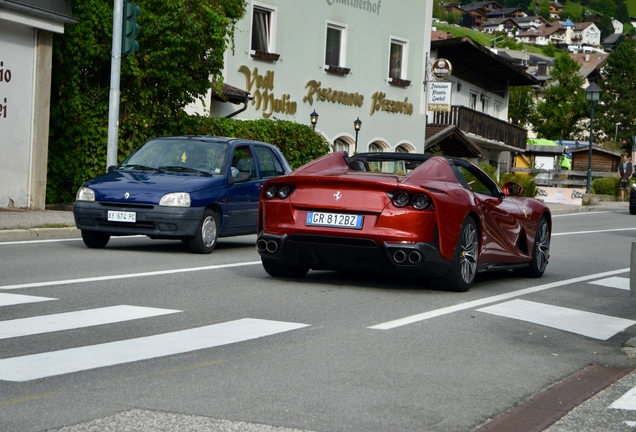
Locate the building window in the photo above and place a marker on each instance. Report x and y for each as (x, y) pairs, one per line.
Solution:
(398, 58)
(497, 112)
(376, 148)
(336, 43)
(402, 149)
(340, 145)
(485, 104)
(263, 28)
(472, 102)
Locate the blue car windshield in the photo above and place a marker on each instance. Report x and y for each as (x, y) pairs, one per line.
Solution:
(180, 156)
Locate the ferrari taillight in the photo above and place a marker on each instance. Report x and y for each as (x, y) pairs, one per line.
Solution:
(402, 199)
(270, 192)
(281, 191)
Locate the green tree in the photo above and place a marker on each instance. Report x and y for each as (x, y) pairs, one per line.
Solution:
(181, 46)
(521, 106)
(618, 99)
(606, 26)
(439, 12)
(544, 9)
(558, 114)
(622, 13)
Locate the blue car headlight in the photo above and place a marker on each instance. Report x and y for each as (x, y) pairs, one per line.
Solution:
(85, 194)
(175, 199)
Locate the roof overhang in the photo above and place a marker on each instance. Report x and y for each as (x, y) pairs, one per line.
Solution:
(50, 15)
(436, 134)
(474, 57)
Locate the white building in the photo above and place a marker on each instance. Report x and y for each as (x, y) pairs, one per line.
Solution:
(26, 47)
(343, 59)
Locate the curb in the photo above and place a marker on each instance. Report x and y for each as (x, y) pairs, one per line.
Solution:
(39, 233)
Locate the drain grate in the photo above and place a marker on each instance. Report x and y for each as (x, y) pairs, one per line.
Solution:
(545, 408)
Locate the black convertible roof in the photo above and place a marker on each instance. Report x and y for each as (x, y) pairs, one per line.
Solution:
(387, 156)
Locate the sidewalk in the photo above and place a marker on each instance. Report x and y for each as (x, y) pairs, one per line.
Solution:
(19, 224)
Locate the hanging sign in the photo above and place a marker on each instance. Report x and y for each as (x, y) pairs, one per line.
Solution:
(441, 69)
(439, 96)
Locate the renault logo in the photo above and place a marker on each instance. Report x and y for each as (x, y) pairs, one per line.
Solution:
(126, 195)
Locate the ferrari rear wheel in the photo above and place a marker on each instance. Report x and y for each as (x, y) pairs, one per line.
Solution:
(276, 269)
(461, 274)
(95, 239)
(540, 250)
(204, 241)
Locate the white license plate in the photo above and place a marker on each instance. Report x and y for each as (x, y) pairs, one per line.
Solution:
(337, 220)
(121, 216)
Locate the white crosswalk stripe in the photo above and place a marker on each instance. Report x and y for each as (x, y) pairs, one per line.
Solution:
(76, 319)
(54, 363)
(16, 299)
(626, 402)
(580, 322)
(613, 282)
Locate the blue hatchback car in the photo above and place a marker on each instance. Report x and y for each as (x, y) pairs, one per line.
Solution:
(190, 188)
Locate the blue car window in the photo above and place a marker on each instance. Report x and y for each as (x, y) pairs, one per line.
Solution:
(270, 165)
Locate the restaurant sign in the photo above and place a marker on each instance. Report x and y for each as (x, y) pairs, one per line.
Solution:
(439, 96)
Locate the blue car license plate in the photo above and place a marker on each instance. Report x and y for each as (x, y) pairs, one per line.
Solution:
(336, 220)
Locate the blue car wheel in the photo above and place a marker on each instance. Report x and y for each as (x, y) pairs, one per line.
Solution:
(204, 241)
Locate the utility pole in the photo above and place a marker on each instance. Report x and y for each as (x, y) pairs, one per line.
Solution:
(113, 100)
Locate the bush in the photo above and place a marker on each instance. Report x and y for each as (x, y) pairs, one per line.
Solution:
(606, 186)
(298, 142)
(77, 164)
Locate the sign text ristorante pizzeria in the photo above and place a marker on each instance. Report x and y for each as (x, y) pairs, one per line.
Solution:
(379, 100)
(261, 86)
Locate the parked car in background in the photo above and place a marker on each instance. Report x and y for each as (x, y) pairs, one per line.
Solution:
(403, 214)
(190, 188)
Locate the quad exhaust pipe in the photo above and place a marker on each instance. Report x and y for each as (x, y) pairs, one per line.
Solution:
(267, 246)
(400, 256)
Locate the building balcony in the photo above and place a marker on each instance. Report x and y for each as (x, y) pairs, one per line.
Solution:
(483, 126)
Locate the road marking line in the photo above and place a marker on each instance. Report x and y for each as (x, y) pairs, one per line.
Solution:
(7, 299)
(581, 213)
(626, 402)
(17, 242)
(37, 241)
(77, 319)
(613, 282)
(54, 363)
(588, 324)
(476, 303)
(124, 276)
(592, 232)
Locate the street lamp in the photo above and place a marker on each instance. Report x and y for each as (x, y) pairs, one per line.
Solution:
(313, 117)
(592, 94)
(616, 134)
(357, 124)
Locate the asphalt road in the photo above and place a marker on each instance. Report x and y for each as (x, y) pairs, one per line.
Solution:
(191, 342)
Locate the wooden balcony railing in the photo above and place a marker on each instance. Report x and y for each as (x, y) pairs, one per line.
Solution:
(483, 125)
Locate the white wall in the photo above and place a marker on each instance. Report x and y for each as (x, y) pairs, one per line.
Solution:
(17, 59)
(300, 41)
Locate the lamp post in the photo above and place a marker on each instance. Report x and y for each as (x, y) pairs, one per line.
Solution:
(313, 117)
(357, 124)
(616, 134)
(592, 94)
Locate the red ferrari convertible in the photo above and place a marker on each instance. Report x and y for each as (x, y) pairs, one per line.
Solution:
(406, 214)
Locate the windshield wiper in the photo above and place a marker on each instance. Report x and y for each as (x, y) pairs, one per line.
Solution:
(177, 168)
(140, 167)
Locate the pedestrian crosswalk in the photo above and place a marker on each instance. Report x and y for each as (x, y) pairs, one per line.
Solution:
(82, 358)
(53, 363)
